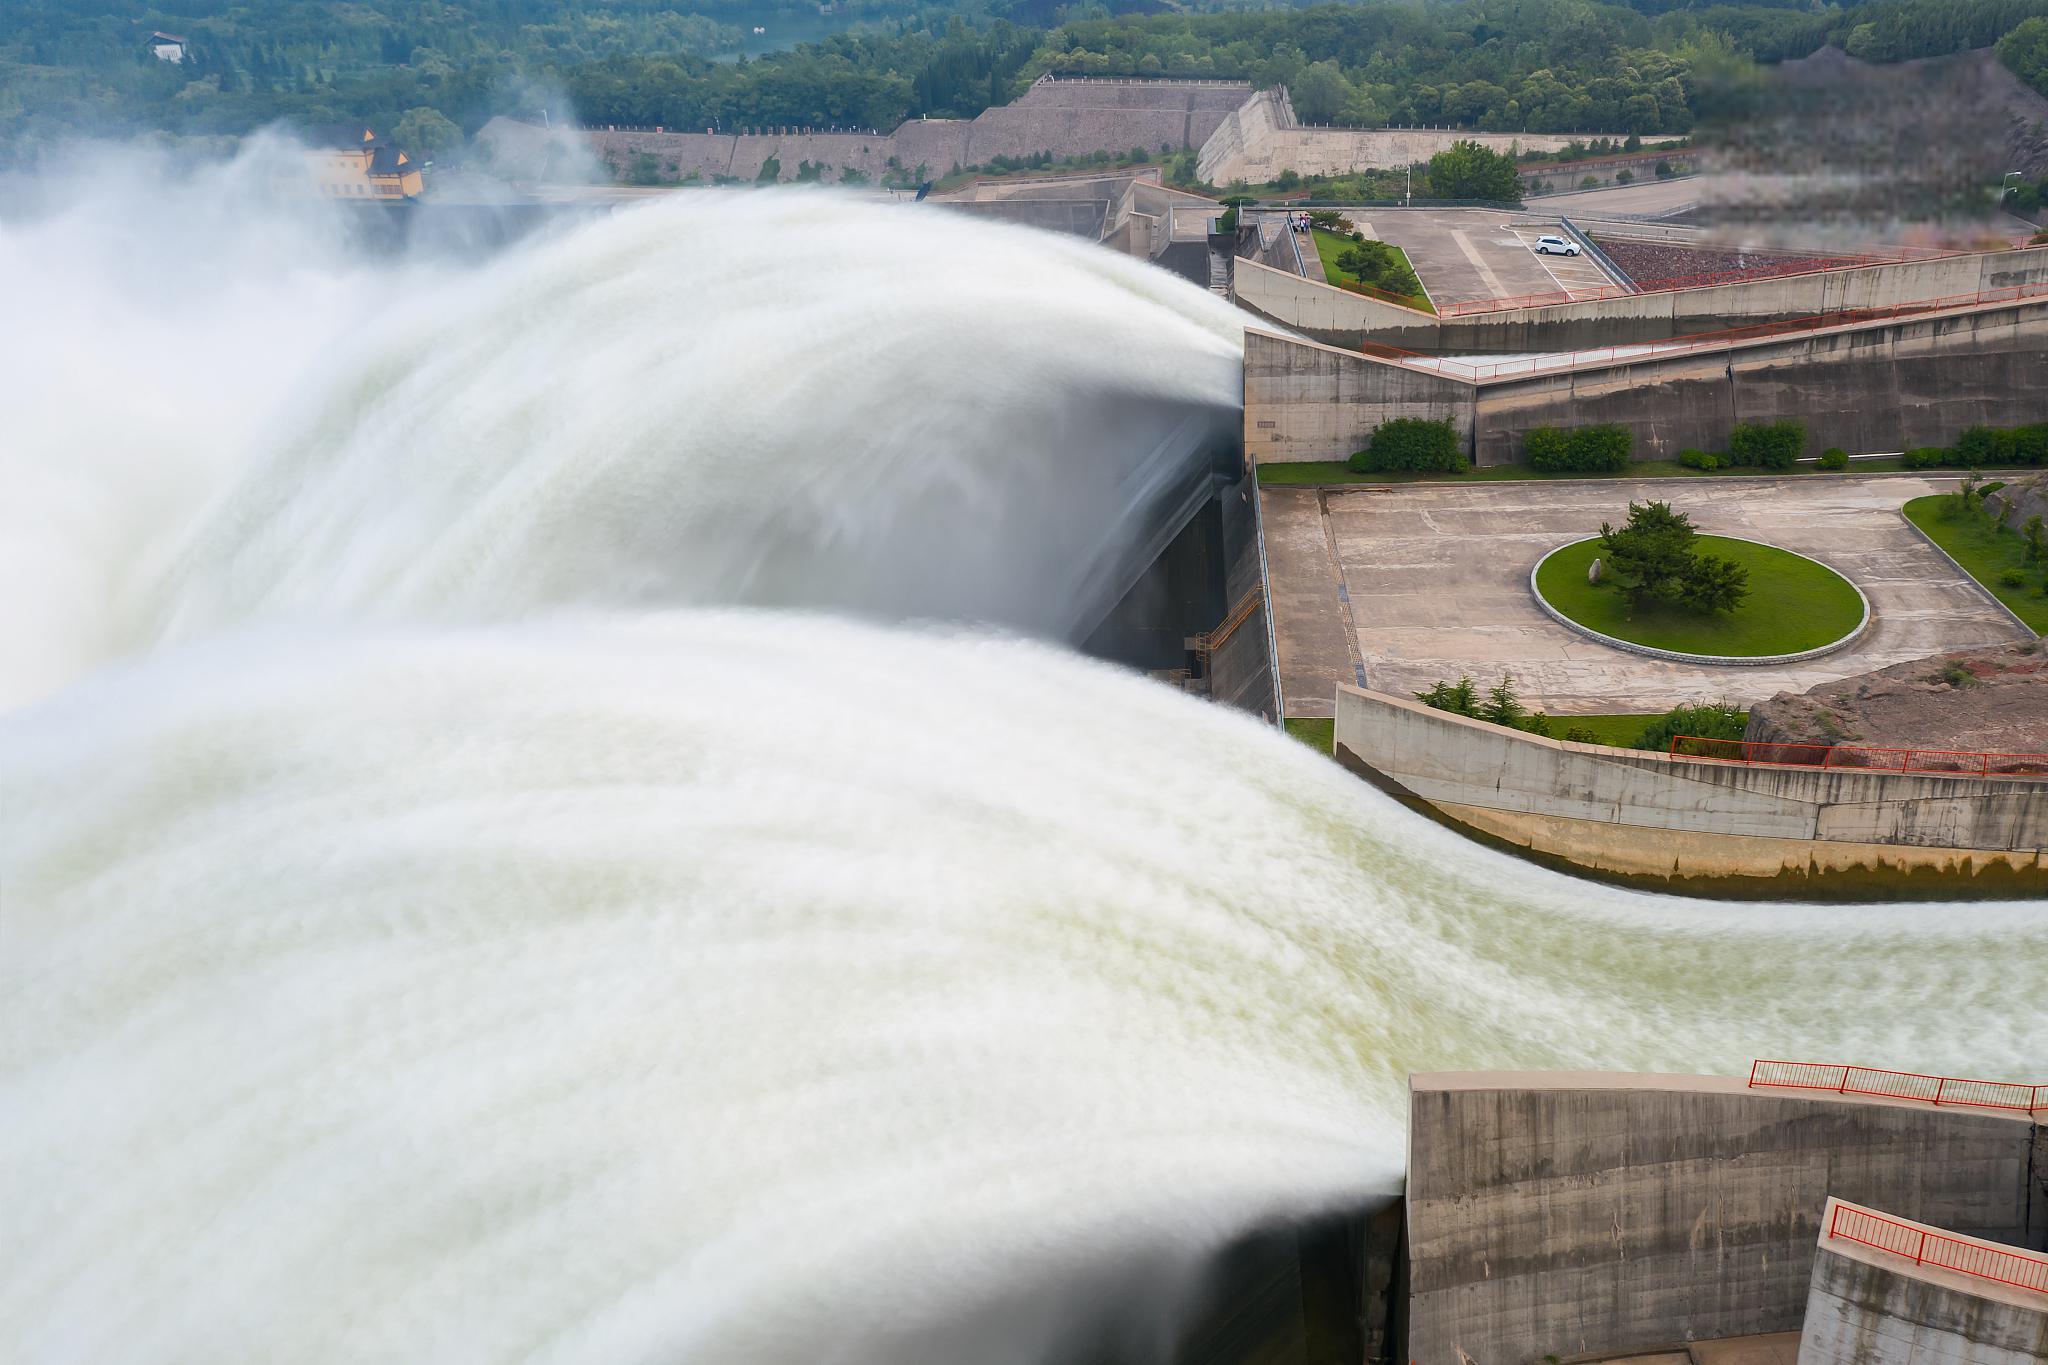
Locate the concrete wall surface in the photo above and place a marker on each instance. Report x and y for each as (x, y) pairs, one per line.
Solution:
(1874, 386)
(1554, 1214)
(1888, 385)
(1065, 118)
(1303, 401)
(1703, 826)
(1868, 1307)
(1664, 314)
(1263, 138)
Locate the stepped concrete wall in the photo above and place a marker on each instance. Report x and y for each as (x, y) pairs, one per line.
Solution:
(1697, 827)
(1065, 118)
(1263, 137)
(1552, 1214)
(1341, 319)
(1867, 1307)
(1880, 386)
(1875, 386)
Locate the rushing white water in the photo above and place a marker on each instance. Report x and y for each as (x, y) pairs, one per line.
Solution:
(435, 932)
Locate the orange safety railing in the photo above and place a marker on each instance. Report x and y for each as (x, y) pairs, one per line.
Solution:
(1861, 757)
(1898, 1085)
(1853, 1223)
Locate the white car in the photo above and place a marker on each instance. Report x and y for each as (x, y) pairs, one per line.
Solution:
(1555, 246)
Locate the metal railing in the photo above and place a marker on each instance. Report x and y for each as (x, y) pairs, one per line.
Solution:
(1852, 259)
(1861, 757)
(1898, 1085)
(1602, 357)
(1930, 1247)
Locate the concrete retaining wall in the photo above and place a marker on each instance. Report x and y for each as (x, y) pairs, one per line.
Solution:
(1699, 827)
(1881, 386)
(1308, 402)
(1658, 316)
(1878, 386)
(1551, 1214)
(1062, 117)
(1263, 138)
(1868, 1308)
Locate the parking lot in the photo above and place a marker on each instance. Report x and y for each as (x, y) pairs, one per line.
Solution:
(1396, 587)
(1461, 255)
(1577, 277)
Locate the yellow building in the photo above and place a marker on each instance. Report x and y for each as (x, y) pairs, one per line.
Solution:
(351, 162)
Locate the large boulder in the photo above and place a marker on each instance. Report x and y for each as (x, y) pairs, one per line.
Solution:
(2018, 500)
(1991, 699)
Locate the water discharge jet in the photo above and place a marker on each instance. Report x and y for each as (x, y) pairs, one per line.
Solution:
(428, 939)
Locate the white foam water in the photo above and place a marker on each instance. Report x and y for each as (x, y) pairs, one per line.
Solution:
(439, 924)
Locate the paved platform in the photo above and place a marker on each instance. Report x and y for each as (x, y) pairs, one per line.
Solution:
(1407, 584)
(1461, 255)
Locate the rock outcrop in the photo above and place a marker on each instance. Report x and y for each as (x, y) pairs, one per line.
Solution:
(1992, 699)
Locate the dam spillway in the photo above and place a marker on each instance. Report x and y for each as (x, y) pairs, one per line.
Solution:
(472, 895)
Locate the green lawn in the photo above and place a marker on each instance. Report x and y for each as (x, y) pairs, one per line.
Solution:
(1621, 729)
(1330, 245)
(1794, 604)
(1985, 551)
(1336, 471)
(1318, 732)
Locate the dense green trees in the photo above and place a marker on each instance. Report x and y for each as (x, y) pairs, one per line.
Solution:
(1539, 66)
(1466, 170)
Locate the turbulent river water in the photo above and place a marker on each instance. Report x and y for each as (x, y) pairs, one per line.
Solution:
(494, 869)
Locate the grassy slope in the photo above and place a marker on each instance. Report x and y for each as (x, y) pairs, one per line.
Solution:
(1329, 245)
(1985, 552)
(1318, 732)
(1793, 604)
(1333, 471)
(1620, 730)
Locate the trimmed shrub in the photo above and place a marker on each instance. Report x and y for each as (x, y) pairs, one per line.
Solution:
(1979, 447)
(1767, 445)
(2012, 578)
(1925, 457)
(2030, 444)
(1411, 443)
(1582, 450)
(1604, 449)
(1698, 459)
(1547, 449)
(1712, 720)
(1834, 457)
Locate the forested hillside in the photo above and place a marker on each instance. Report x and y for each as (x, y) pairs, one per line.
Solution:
(434, 71)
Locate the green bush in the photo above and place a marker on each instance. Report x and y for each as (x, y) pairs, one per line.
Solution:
(1699, 459)
(1834, 457)
(1583, 450)
(1925, 457)
(1604, 448)
(2030, 444)
(2012, 578)
(1547, 448)
(1709, 720)
(1767, 445)
(1411, 443)
(1979, 447)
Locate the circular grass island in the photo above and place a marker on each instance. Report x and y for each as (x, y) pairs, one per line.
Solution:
(1796, 606)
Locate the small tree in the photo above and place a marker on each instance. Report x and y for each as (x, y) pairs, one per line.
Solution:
(1713, 584)
(1650, 556)
(2037, 550)
(1461, 698)
(1502, 707)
